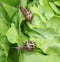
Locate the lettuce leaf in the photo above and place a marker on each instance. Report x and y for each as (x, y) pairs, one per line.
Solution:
(44, 30)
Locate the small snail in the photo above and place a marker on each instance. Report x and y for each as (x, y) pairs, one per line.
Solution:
(27, 14)
(28, 46)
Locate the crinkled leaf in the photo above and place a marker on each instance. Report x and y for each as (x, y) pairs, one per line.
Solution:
(54, 23)
(13, 55)
(11, 2)
(47, 11)
(44, 31)
(57, 3)
(3, 57)
(4, 25)
(23, 3)
(37, 57)
(12, 34)
(4, 43)
(9, 9)
(55, 9)
(43, 39)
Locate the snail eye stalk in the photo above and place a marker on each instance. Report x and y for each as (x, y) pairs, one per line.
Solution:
(27, 14)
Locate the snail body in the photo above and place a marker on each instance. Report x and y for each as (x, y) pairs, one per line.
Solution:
(28, 46)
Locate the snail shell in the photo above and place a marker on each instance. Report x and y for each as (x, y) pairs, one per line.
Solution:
(30, 46)
(27, 14)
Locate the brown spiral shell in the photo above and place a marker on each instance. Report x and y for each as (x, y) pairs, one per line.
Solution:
(30, 46)
(27, 14)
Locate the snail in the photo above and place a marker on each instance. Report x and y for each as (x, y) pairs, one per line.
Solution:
(26, 13)
(28, 46)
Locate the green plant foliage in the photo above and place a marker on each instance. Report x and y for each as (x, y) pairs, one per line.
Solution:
(44, 30)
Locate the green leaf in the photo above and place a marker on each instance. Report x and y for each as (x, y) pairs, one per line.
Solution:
(4, 25)
(37, 22)
(46, 9)
(54, 8)
(43, 39)
(4, 43)
(36, 56)
(23, 3)
(36, 11)
(12, 34)
(13, 55)
(3, 57)
(44, 30)
(15, 20)
(9, 9)
(54, 23)
(57, 3)
(11, 2)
